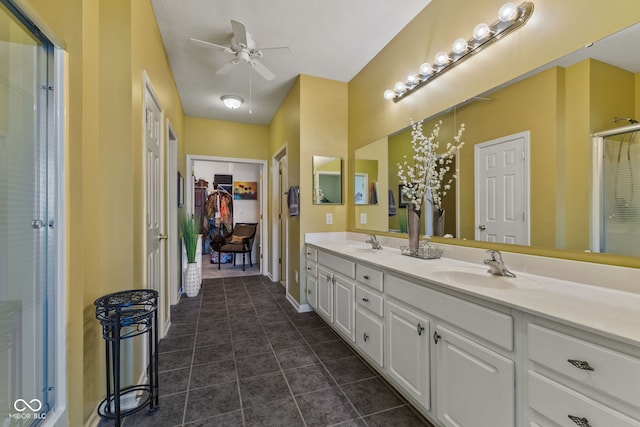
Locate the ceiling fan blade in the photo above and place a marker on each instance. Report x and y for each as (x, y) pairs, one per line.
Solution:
(227, 67)
(239, 32)
(262, 70)
(274, 48)
(209, 45)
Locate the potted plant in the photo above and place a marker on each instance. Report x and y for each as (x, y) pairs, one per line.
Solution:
(190, 236)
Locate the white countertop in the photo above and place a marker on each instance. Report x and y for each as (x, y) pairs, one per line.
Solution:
(598, 308)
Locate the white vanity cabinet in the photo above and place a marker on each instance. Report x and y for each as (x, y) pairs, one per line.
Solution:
(370, 313)
(473, 385)
(573, 381)
(332, 281)
(408, 353)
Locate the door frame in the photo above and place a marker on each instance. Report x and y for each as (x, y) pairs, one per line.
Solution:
(263, 235)
(281, 152)
(173, 241)
(147, 87)
(526, 136)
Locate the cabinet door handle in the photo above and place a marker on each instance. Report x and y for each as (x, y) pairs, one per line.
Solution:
(366, 277)
(582, 422)
(365, 299)
(365, 337)
(436, 337)
(329, 278)
(308, 291)
(420, 329)
(308, 268)
(581, 364)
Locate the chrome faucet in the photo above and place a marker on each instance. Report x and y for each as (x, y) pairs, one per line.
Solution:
(496, 265)
(374, 242)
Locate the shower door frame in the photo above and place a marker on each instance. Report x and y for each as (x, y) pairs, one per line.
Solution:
(597, 183)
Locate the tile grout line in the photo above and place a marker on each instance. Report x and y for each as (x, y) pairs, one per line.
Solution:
(193, 355)
(233, 352)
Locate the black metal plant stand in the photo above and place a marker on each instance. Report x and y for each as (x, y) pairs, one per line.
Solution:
(125, 315)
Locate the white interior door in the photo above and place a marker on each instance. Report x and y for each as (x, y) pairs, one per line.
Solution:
(502, 190)
(153, 199)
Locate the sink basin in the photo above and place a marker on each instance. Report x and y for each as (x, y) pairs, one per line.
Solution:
(481, 278)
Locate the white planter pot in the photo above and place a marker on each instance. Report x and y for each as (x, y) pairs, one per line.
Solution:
(192, 280)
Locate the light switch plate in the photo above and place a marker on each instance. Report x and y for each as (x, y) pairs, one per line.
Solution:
(329, 218)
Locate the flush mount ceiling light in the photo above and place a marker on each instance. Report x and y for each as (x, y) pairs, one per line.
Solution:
(510, 18)
(232, 102)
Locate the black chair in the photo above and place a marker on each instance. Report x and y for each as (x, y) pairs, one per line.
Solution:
(239, 242)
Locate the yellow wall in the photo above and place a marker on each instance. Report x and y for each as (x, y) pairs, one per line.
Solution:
(284, 131)
(226, 139)
(108, 44)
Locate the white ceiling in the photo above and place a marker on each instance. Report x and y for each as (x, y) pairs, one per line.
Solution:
(333, 39)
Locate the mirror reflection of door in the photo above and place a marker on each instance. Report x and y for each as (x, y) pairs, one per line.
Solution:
(361, 189)
(502, 190)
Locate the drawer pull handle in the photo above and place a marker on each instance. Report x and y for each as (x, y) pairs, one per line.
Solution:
(581, 364)
(582, 422)
(366, 277)
(436, 337)
(365, 337)
(365, 299)
(420, 329)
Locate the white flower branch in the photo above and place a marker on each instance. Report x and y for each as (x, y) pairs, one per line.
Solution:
(427, 172)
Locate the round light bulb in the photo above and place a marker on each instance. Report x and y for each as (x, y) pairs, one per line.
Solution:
(481, 31)
(508, 12)
(411, 79)
(400, 87)
(441, 59)
(389, 94)
(426, 69)
(459, 46)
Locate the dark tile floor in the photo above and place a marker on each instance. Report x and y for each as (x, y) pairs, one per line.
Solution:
(240, 355)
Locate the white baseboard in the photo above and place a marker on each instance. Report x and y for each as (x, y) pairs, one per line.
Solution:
(299, 308)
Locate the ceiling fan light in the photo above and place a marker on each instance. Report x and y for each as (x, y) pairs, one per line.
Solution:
(232, 102)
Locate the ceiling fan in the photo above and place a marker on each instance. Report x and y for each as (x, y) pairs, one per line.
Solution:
(243, 48)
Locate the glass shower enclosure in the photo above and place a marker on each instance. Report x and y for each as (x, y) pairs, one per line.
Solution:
(615, 213)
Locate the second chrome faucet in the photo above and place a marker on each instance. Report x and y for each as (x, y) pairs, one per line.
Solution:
(496, 264)
(373, 240)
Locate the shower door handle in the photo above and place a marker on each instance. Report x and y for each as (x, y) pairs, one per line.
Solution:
(482, 227)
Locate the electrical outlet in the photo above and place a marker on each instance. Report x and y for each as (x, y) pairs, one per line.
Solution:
(329, 218)
(363, 218)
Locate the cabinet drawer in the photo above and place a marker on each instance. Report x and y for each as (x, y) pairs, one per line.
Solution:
(339, 265)
(312, 254)
(370, 277)
(369, 335)
(370, 300)
(613, 373)
(312, 269)
(486, 323)
(558, 403)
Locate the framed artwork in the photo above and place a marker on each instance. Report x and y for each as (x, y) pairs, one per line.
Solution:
(226, 187)
(403, 201)
(245, 190)
(180, 190)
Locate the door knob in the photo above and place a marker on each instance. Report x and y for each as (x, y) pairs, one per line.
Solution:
(482, 227)
(162, 237)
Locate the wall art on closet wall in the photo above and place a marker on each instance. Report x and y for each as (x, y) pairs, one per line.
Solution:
(245, 190)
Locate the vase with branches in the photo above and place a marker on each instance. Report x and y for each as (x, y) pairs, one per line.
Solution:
(423, 176)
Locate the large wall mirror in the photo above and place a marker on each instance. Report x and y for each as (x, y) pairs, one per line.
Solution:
(327, 180)
(549, 114)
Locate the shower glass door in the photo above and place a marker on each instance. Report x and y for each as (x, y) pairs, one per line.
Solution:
(617, 180)
(27, 182)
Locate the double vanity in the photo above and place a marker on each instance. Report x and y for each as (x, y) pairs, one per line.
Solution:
(470, 349)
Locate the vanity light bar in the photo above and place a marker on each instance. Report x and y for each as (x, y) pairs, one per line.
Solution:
(510, 18)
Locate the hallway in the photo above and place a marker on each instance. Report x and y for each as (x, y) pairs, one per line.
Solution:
(240, 355)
